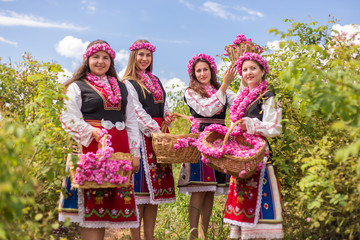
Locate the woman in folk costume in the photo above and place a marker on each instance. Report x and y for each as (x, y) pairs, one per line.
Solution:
(207, 101)
(154, 183)
(98, 101)
(253, 207)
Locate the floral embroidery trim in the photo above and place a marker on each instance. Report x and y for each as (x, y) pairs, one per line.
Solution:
(114, 95)
(252, 57)
(247, 96)
(99, 47)
(141, 45)
(98, 168)
(152, 84)
(207, 58)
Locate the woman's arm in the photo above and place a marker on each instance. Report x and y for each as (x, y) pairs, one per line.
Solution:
(131, 124)
(270, 126)
(72, 119)
(146, 124)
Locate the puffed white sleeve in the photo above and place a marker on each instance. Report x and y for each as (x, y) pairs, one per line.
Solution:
(166, 108)
(131, 124)
(270, 126)
(72, 119)
(146, 124)
(206, 107)
(230, 97)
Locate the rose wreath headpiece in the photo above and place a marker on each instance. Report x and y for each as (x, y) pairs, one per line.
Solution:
(207, 58)
(99, 47)
(253, 57)
(140, 45)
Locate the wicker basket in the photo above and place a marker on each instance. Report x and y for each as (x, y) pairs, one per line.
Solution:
(163, 146)
(230, 164)
(115, 156)
(234, 51)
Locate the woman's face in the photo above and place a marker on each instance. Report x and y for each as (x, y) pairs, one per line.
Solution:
(99, 63)
(203, 72)
(252, 73)
(143, 59)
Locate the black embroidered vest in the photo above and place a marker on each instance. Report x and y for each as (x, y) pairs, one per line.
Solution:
(96, 107)
(254, 110)
(154, 109)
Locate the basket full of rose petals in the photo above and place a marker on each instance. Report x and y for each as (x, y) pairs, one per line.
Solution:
(241, 45)
(103, 169)
(232, 150)
(177, 148)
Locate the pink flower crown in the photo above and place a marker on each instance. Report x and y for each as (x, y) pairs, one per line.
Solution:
(207, 58)
(140, 45)
(253, 57)
(241, 38)
(97, 48)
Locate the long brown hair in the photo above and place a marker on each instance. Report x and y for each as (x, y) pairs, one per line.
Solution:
(195, 85)
(131, 69)
(84, 68)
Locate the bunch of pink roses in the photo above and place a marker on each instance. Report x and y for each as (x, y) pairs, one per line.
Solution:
(99, 168)
(189, 141)
(232, 147)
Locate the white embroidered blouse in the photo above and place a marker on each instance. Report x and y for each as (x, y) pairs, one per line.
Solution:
(208, 107)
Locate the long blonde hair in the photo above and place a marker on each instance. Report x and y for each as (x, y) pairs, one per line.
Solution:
(131, 69)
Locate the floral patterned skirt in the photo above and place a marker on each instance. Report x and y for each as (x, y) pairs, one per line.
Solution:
(154, 182)
(254, 204)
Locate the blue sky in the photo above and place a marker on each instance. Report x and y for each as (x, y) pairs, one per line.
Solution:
(59, 30)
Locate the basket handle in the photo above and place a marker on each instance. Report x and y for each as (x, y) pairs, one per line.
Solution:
(164, 126)
(227, 136)
(102, 144)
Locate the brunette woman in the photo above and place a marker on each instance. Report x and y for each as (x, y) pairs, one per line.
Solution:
(207, 100)
(96, 103)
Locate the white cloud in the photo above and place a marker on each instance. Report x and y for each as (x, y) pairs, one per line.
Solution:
(11, 18)
(249, 11)
(350, 31)
(216, 9)
(122, 57)
(64, 76)
(8, 41)
(71, 47)
(187, 4)
(90, 6)
(225, 12)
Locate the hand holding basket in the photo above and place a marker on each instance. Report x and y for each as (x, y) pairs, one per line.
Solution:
(163, 145)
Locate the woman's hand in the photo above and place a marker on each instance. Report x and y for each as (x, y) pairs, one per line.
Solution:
(242, 124)
(229, 74)
(169, 118)
(96, 134)
(135, 164)
(228, 77)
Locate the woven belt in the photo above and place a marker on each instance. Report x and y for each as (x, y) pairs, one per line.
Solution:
(211, 120)
(95, 123)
